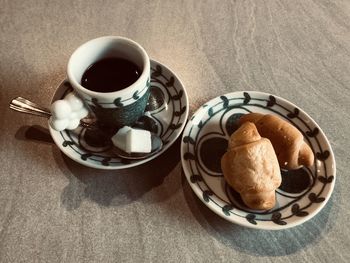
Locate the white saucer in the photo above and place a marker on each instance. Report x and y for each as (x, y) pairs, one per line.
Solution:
(302, 194)
(170, 116)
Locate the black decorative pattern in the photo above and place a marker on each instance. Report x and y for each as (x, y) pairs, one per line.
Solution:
(280, 215)
(120, 102)
(312, 133)
(85, 156)
(189, 156)
(196, 178)
(182, 111)
(226, 209)
(322, 156)
(277, 218)
(326, 180)
(247, 97)
(271, 102)
(206, 195)
(293, 114)
(170, 82)
(298, 212)
(251, 219)
(157, 72)
(225, 101)
(66, 143)
(188, 139)
(82, 143)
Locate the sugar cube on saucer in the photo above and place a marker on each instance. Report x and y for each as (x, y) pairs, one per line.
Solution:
(74, 101)
(67, 113)
(61, 109)
(133, 140)
(119, 139)
(59, 124)
(73, 124)
(138, 141)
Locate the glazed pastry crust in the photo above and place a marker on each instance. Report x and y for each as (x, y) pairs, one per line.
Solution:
(288, 142)
(250, 166)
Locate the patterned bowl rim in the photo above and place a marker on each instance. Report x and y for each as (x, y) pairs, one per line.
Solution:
(217, 209)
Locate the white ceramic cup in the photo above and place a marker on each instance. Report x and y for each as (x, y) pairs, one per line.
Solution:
(116, 109)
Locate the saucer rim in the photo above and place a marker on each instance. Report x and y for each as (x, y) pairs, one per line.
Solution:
(133, 164)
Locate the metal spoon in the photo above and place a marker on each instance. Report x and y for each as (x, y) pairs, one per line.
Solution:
(26, 106)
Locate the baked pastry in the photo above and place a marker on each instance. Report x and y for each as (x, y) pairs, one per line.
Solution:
(250, 166)
(288, 142)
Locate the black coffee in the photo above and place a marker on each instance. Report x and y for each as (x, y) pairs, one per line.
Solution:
(110, 74)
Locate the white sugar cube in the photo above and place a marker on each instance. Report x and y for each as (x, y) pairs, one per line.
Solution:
(61, 109)
(133, 140)
(119, 139)
(82, 113)
(74, 101)
(73, 124)
(73, 115)
(138, 141)
(59, 124)
(79, 114)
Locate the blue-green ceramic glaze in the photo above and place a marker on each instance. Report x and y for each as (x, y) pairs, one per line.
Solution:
(163, 109)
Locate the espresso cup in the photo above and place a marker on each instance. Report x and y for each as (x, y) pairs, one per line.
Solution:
(115, 109)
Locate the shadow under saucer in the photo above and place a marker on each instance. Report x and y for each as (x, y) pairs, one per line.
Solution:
(34, 133)
(253, 241)
(115, 187)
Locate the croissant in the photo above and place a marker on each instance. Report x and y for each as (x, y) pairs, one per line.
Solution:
(288, 142)
(250, 166)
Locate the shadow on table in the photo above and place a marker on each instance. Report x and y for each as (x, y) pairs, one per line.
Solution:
(107, 187)
(34, 133)
(120, 187)
(253, 241)
(115, 187)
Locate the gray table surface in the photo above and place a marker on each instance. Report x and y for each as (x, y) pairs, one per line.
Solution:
(54, 210)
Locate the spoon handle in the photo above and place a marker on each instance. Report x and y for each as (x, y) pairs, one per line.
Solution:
(26, 106)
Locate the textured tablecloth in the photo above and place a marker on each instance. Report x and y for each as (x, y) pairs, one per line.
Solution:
(54, 210)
